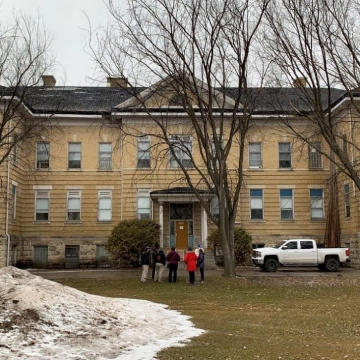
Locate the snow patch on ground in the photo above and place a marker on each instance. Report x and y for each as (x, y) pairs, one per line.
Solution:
(41, 319)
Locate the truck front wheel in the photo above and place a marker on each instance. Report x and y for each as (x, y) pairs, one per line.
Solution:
(331, 265)
(271, 265)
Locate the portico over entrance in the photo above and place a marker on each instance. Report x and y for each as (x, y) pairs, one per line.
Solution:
(182, 218)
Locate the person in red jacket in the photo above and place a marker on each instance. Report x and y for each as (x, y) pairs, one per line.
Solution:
(190, 260)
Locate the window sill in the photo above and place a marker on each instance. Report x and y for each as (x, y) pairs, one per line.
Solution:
(73, 222)
(316, 169)
(39, 222)
(71, 169)
(257, 220)
(287, 221)
(105, 170)
(105, 222)
(42, 169)
(317, 219)
(285, 169)
(255, 169)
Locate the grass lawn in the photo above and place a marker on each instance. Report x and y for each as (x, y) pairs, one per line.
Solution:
(265, 318)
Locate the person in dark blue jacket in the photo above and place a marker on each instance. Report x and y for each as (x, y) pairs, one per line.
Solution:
(200, 264)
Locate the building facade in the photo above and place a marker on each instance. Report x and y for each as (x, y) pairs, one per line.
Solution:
(100, 162)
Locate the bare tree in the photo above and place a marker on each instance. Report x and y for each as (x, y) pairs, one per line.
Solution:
(317, 42)
(195, 52)
(24, 58)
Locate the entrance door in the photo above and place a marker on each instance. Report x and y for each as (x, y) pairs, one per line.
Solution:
(40, 257)
(182, 234)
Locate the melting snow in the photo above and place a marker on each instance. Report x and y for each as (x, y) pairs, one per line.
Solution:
(41, 319)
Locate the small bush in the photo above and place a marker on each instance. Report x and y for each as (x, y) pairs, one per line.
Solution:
(129, 238)
(242, 244)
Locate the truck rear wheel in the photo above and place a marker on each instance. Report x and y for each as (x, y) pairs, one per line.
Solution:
(331, 265)
(271, 265)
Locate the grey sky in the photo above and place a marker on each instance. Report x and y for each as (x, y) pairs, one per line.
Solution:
(64, 19)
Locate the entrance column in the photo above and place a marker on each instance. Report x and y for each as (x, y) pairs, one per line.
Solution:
(204, 227)
(161, 221)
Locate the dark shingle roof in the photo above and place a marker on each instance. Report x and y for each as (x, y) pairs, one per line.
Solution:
(102, 100)
(82, 100)
(285, 100)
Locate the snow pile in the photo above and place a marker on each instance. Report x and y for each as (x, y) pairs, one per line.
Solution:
(41, 319)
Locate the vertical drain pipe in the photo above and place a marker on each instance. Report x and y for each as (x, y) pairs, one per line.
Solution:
(7, 204)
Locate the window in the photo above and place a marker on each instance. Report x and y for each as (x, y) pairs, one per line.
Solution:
(315, 161)
(306, 244)
(105, 156)
(176, 100)
(73, 205)
(182, 146)
(42, 155)
(143, 204)
(42, 205)
(215, 207)
(74, 161)
(284, 155)
(105, 205)
(317, 203)
(255, 158)
(143, 151)
(291, 245)
(286, 204)
(347, 200)
(256, 204)
(14, 198)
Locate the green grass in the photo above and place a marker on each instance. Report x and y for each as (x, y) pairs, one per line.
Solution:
(267, 318)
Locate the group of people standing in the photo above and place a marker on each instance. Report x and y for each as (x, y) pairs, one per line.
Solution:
(158, 261)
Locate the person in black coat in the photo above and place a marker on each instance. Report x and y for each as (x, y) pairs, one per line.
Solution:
(153, 261)
(160, 261)
(145, 263)
(173, 259)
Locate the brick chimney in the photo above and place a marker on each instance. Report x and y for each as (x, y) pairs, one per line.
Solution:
(117, 81)
(48, 80)
(299, 82)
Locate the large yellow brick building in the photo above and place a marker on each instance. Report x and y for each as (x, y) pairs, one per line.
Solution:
(85, 175)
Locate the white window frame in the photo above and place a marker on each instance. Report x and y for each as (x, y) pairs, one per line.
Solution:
(257, 162)
(104, 205)
(143, 198)
(256, 203)
(286, 204)
(315, 158)
(285, 155)
(73, 205)
(317, 204)
(43, 155)
(143, 152)
(74, 154)
(182, 146)
(42, 204)
(105, 156)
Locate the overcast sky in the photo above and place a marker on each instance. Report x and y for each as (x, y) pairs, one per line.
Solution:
(64, 19)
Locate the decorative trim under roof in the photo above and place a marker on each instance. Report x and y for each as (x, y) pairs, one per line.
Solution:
(179, 194)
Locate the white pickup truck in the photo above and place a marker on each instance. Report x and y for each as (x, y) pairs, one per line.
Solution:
(300, 252)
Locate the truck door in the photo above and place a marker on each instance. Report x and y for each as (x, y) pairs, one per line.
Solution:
(308, 253)
(289, 253)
